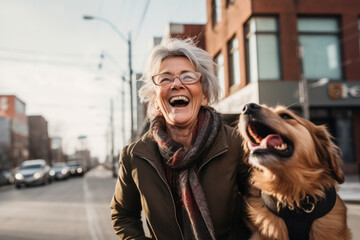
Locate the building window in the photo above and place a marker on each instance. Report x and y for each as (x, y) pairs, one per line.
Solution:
(344, 134)
(234, 62)
(229, 2)
(216, 11)
(320, 41)
(262, 48)
(220, 73)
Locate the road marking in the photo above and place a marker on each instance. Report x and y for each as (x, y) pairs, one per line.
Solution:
(92, 218)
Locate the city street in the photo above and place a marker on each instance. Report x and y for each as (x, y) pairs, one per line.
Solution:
(77, 208)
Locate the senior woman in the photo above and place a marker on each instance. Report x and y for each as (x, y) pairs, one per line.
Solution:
(187, 172)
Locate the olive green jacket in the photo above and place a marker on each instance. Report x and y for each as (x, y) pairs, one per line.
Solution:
(142, 185)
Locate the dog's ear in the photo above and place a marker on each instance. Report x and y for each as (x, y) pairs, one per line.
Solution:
(328, 153)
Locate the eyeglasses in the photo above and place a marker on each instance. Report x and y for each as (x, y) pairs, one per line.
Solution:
(165, 79)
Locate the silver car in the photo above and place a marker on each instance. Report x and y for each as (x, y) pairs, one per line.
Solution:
(32, 172)
(60, 171)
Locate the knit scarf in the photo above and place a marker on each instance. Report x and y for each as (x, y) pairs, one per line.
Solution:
(195, 216)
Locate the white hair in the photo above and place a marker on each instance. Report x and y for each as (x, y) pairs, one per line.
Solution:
(200, 59)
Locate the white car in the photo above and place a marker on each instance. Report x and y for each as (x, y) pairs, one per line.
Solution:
(33, 172)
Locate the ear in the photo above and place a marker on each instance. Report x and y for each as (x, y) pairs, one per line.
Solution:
(328, 153)
(204, 101)
(157, 108)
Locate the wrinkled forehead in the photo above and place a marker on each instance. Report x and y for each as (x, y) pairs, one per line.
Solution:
(158, 61)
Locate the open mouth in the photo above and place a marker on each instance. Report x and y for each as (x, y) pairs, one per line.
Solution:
(179, 101)
(263, 140)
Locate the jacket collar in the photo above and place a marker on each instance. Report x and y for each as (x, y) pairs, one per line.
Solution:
(146, 148)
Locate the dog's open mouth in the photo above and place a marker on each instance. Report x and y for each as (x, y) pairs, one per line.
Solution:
(263, 139)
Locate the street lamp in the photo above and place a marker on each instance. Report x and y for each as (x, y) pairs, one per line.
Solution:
(128, 41)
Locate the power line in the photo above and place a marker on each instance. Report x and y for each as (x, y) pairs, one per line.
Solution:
(142, 19)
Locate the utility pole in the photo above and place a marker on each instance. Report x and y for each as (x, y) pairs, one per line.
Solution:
(128, 40)
(112, 138)
(123, 112)
(131, 88)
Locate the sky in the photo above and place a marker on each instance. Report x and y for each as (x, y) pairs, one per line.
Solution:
(50, 56)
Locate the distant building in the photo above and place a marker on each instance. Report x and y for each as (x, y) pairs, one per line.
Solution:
(39, 141)
(183, 31)
(14, 133)
(56, 150)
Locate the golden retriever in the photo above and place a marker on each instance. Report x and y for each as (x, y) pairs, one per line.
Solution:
(294, 176)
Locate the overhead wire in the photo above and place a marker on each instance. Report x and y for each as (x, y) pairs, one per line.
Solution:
(142, 20)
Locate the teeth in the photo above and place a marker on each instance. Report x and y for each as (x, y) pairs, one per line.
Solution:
(183, 98)
(263, 145)
(281, 147)
(254, 135)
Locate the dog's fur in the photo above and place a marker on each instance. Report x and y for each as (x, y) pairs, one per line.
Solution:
(312, 167)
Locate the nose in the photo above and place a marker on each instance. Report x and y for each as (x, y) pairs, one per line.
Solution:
(251, 108)
(176, 83)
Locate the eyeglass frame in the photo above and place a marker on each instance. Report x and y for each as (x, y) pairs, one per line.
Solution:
(177, 76)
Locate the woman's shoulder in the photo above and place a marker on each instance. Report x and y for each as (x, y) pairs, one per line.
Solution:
(232, 133)
(144, 145)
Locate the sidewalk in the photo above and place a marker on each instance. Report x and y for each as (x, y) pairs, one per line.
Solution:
(349, 191)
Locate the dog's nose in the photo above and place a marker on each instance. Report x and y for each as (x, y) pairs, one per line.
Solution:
(250, 108)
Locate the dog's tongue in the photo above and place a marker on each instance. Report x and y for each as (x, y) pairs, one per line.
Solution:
(272, 140)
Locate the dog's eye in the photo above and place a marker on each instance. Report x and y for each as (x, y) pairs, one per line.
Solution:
(285, 116)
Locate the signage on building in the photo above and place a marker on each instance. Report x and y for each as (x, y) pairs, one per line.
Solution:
(341, 91)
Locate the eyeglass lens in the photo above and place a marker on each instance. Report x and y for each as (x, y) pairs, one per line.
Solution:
(186, 78)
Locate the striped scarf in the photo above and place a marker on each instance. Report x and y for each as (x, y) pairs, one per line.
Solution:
(181, 165)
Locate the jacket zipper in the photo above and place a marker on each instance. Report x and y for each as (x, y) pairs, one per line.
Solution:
(172, 198)
(216, 155)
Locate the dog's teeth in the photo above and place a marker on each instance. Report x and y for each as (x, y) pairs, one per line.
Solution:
(281, 147)
(263, 144)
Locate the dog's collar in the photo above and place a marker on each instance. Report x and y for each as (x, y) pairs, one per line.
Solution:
(299, 219)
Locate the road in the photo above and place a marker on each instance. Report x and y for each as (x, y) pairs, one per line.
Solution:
(75, 209)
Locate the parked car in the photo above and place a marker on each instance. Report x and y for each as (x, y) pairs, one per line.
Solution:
(32, 172)
(60, 171)
(9, 177)
(76, 169)
(2, 179)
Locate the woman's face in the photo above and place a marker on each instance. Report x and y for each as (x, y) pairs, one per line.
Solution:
(179, 113)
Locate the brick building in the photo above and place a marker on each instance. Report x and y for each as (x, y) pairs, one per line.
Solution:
(14, 132)
(39, 141)
(256, 46)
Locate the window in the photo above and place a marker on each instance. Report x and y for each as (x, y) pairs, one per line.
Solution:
(319, 38)
(344, 134)
(216, 11)
(234, 62)
(220, 73)
(262, 48)
(229, 2)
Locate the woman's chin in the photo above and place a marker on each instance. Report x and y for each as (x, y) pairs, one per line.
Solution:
(182, 120)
